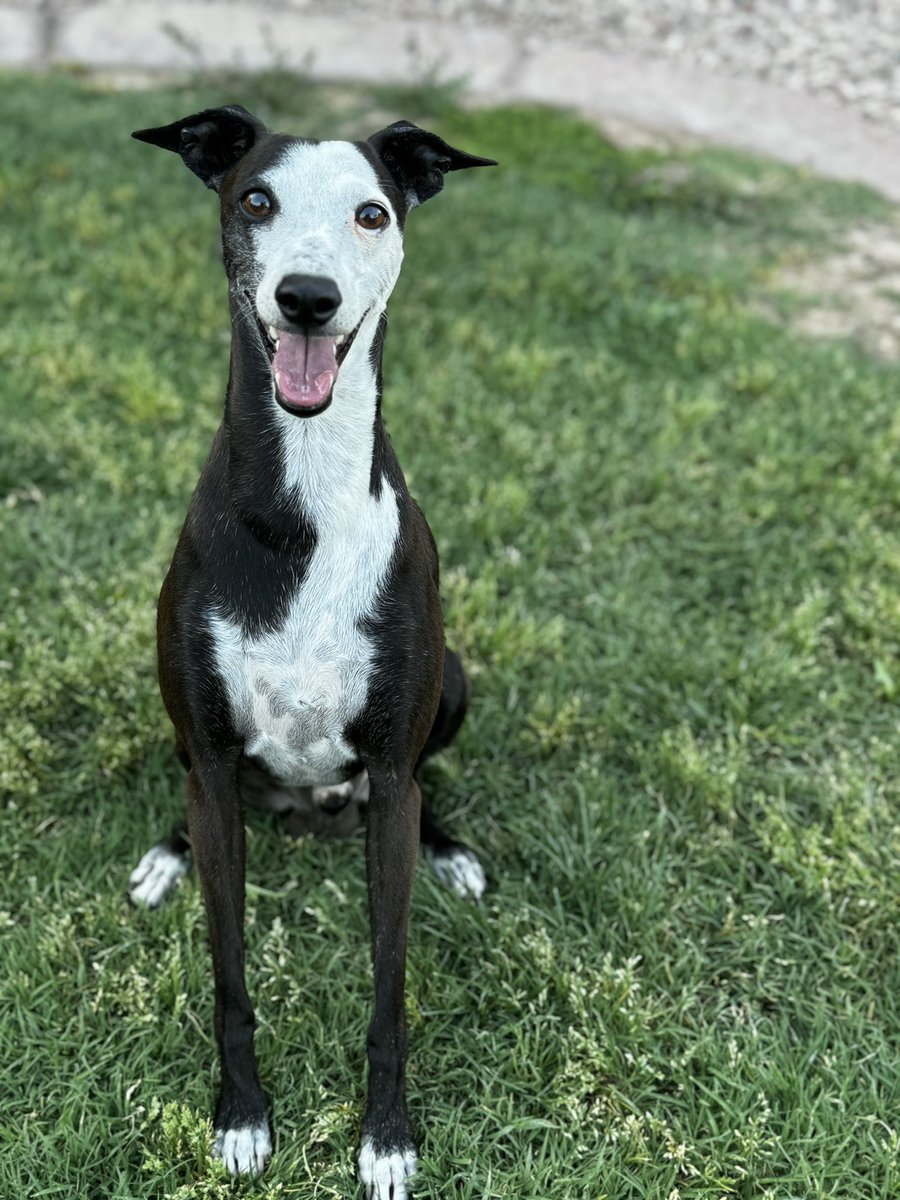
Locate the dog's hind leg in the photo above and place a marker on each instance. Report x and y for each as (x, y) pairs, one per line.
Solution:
(455, 864)
(166, 863)
(160, 869)
(451, 709)
(331, 811)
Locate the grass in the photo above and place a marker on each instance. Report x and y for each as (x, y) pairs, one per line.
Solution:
(669, 541)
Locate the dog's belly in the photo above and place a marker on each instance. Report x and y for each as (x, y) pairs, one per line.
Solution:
(292, 703)
(300, 764)
(294, 690)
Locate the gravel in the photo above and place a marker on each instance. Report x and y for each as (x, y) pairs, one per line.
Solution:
(847, 51)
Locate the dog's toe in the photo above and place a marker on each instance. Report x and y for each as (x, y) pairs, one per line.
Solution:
(156, 874)
(385, 1174)
(459, 869)
(244, 1149)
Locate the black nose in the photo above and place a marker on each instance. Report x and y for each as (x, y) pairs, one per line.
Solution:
(308, 300)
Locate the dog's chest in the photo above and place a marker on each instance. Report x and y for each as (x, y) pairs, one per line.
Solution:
(293, 690)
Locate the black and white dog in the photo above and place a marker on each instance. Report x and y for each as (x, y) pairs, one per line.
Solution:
(301, 644)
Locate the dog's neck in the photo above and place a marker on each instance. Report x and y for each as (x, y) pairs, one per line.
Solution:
(317, 470)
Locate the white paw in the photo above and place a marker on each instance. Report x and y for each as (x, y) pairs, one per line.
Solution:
(245, 1149)
(156, 874)
(460, 870)
(334, 791)
(386, 1176)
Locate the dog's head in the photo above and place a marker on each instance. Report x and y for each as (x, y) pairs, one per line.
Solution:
(312, 232)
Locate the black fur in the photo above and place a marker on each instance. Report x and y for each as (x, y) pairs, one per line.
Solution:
(246, 548)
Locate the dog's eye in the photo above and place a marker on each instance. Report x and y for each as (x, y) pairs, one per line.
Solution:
(371, 216)
(256, 204)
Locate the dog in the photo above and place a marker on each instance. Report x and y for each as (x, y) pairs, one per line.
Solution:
(300, 634)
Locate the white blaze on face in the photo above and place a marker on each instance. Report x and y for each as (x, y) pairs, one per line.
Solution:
(317, 189)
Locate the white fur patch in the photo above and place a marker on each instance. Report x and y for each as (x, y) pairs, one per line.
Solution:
(356, 788)
(386, 1176)
(245, 1150)
(318, 189)
(156, 874)
(459, 870)
(292, 691)
(337, 791)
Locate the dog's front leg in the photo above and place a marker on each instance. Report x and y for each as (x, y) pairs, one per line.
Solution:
(243, 1141)
(387, 1155)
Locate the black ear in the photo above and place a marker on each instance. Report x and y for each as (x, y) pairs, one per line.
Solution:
(419, 160)
(209, 142)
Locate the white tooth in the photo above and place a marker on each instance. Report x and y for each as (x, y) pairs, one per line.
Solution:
(273, 333)
(340, 341)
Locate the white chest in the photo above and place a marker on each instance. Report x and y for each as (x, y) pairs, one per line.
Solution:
(292, 691)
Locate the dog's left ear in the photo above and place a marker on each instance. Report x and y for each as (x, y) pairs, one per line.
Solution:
(419, 160)
(209, 142)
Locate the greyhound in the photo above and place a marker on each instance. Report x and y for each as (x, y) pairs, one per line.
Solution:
(301, 641)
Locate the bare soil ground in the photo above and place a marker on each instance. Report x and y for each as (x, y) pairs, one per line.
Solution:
(854, 291)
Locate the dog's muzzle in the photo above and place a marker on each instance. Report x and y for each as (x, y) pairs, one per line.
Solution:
(304, 368)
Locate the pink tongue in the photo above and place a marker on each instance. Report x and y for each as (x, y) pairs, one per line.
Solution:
(305, 369)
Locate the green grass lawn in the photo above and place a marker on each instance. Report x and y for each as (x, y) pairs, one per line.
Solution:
(669, 535)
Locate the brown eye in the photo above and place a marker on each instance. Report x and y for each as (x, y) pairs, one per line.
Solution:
(256, 204)
(371, 216)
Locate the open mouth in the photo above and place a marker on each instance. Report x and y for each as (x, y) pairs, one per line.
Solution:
(305, 369)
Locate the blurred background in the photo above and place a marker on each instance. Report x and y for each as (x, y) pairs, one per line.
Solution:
(643, 379)
(748, 73)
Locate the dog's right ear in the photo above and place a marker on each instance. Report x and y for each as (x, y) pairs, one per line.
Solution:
(209, 142)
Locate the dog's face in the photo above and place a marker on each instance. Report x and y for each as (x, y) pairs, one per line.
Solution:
(312, 231)
(314, 244)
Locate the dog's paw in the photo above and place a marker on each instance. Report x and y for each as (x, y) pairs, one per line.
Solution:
(244, 1149)
(156, 874)
(458, 868)
(385, 1174)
